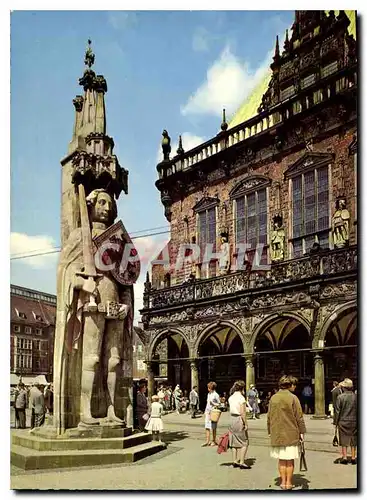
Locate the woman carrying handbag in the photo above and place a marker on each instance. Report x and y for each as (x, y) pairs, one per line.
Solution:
(213, 401)
(238, 430)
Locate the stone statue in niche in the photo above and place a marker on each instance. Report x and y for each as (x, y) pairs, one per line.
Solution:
(277, 239)
(340, 224)
(225, 254)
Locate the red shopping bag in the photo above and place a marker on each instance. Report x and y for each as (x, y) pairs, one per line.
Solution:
(223, 443)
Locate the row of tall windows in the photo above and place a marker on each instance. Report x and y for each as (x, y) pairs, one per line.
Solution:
(309, 210)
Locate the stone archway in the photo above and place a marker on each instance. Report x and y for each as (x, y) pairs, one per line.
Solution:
(169, 351)
(220, 348)
(281, 344)
(339, 334)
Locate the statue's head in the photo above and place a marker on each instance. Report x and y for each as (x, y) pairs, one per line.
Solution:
(340, 203)
(102, 206)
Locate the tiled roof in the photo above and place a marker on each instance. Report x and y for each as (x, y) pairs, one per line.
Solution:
(29, 306)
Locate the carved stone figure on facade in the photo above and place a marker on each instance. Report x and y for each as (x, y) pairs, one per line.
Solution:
(166, 145)
(225, 254)
(277, 240)
(340, 224)
(94, 317)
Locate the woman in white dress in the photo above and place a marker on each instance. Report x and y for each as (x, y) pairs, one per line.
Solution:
(155, 423)
(238, 430)
(213, 401)
(286, 428)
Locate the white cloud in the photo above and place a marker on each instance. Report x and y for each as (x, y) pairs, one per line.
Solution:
(22, 244)
(189, 141)
(120, 19)
(201, 40)
(228, 82)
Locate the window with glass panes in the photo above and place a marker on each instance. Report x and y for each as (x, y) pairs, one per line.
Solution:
(207, 234)
(310, 206)
(252, 222)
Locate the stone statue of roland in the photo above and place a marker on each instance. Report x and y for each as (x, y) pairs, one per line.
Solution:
(93, 342)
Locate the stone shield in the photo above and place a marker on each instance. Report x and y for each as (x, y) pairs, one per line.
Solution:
(115, 252)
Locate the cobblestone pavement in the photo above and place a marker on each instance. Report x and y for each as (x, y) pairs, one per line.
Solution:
(185, 465)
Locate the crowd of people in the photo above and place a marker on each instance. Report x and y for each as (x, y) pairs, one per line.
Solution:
(38, 398)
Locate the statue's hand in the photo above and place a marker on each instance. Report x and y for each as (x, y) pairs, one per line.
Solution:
(124, 309)
(89, 286)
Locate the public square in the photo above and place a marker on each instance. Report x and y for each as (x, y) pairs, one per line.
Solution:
(185, 465)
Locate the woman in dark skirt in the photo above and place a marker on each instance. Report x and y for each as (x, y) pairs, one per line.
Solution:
(345, 419)
(238, 434)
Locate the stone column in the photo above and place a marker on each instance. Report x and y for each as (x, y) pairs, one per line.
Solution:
(150, 376)
(194, 373)
(250, 370)
(319, 387)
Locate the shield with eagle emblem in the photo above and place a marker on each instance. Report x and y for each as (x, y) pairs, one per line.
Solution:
(115, 252)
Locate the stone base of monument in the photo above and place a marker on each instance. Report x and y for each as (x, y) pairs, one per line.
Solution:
(42, 450)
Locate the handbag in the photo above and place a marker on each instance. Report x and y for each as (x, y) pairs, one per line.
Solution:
(146, 416)
(302, 461)
(223, 443)
(336, 440)
(215, 415)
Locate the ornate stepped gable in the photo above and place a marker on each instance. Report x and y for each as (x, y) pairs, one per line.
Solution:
(317, 40)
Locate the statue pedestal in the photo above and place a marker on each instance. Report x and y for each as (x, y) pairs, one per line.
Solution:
(100, 445)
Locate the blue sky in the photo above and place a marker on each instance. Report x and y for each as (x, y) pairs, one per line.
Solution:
(164, 69)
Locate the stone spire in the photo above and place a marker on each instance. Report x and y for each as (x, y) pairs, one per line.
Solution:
(90, 114)
(90, 159)
(180, 149)
(224, 124)
(276, 53)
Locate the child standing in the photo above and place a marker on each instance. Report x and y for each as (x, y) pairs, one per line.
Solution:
(155, 423)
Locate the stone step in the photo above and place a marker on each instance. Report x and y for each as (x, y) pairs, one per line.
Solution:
(23, 438)
(30, 459)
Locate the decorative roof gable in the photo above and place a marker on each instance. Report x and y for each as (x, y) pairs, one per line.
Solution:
(206, 203)
(249, 184)
(307, 161)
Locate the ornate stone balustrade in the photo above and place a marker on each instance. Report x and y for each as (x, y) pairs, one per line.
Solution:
(292, 271)
(264, 121)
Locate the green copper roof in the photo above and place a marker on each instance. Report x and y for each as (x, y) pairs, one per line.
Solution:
(249, 108)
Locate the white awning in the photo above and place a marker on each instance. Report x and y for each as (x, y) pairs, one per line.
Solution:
(14, 379)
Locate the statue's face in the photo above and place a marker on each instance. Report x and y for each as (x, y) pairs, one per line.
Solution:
(102, 210)
(342, 203)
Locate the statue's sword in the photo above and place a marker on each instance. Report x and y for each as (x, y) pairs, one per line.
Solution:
(89, 272)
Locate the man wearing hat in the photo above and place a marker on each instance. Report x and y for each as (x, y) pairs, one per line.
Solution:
(345, 419)
(37, 403)
(253, 401)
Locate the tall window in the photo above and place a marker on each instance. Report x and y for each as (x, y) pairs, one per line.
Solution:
(252, 222)
(310, 205)
(207, 230)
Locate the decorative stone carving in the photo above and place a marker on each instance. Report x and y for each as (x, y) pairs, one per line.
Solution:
(340, 224)
(166, 145)
(339, 290)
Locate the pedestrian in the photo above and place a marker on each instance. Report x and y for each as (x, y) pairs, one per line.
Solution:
(266, 401)
(335, 392)
(238, 430)
(142, 406)
(161, 395)
(170, 397)
(307, 398)
(345, 420)
(212, 402)
(194, 401)
(286, 428)
(253, 401)
(49, 399)
(177, 394)
(37, 403)
(20, 405)
(155, 424)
